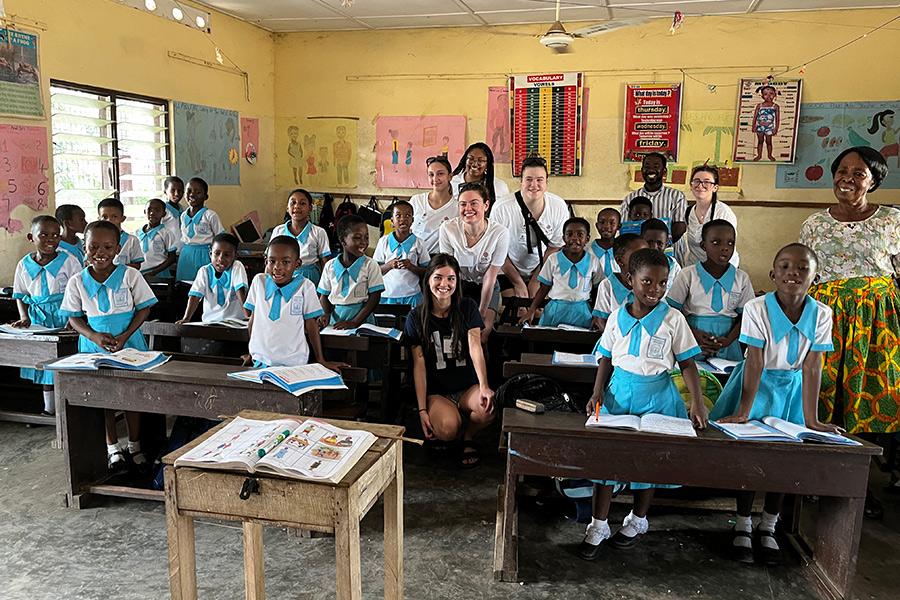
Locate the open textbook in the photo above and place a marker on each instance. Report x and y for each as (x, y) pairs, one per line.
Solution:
(296, 380)
(715, 365)
(574, 360)
(650, 423)
(230, 323)
(31, 330)
(300, 449)
(366, 329)
(126, 358)
(773, 429)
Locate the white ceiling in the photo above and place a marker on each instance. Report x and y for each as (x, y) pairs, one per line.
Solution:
(330, 15)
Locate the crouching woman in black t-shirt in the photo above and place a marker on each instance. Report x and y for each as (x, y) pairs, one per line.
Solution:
(449, 371)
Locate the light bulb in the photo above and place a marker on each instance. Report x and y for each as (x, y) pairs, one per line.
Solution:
(201, 22)
(150, 5)
(177, 14)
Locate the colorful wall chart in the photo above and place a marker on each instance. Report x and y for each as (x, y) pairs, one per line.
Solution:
(250, 139)
(403, 143)
(23, 172)
(207, 143)
(497, 125)
(652, 120)
(827, 128)
(546, 116)
(316, 152)
(767, 120)
(20, 80)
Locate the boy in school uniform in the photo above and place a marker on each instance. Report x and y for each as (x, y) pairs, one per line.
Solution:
(221, 285)
(38, 285)
(608, 222)
(656, 234)
(73, 221)
(283, 303)
(130, 253)
(615, 291)
(402, 257)
(156, 241)
(106, 304)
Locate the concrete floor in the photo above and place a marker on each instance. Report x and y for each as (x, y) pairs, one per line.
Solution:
(118, 551)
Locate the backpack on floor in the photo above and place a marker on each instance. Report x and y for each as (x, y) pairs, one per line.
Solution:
(710, 387)
(539, 388)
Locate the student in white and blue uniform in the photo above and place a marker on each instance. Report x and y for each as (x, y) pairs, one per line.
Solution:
(157, 242)
(402, 257)
(786, 333)
(351, 283)
(614, 291)
(656, 233)
(130, 253)
(566, 277)
(72, 219)
(173, 188)
(312, 239)
(199, 225)
(642, 342)
(221, 285)
(608, 222)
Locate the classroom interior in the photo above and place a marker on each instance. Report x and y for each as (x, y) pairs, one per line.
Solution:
(279, 77)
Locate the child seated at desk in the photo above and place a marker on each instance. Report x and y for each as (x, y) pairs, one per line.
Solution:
(615, 291)
(608, 222)
(351, 283)
(38, 286)
(786, 332)
(312, 239)
(73, 221)
(566, 276)
(199, 225)
(282, 305)
(656, 233)
(642, 342)
(222, 284)
(157, 241)
(107, 304)
(402, 257)
(130, 253)
(712, 294)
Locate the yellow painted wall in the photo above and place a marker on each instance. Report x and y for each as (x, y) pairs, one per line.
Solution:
(368, 73)
(106, 44)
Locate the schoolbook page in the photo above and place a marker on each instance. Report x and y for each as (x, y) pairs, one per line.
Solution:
(615, 421)
(240, 444)
(132, 357)
(581, 360)
(667, 425)
(750, 430)
(799, 432)
(302, 373)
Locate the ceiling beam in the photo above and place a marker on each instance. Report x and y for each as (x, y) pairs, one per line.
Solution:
(343, 13)
(752, 6)
(468, 9)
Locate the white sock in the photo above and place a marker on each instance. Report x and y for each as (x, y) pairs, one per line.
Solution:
(50, 402)
(767, 523)
(134, 449)
(742, 524)
(596, 532)
(634, 525)
(598, 523)
(112, 448)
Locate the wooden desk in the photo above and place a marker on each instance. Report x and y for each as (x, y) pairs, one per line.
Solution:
(540, 364)
(176, 388)
(551, 339)
(153, 329)
(30, 352)
(558, 444)
(195, 493)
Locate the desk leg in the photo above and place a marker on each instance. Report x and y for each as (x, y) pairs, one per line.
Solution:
(346, 544)
(838, 527)
(506, 551)
(393, 532)
(182, 557)
(254, 568)
(81, 434)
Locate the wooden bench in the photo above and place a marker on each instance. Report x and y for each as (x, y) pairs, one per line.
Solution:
(30, 352)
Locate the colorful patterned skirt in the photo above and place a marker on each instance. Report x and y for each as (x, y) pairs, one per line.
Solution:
(861, 377)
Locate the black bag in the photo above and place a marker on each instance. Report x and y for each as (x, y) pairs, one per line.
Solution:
(531, 225)
(370, 213)
(538, 388)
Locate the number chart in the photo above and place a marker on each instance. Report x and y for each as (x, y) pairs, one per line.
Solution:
(546, 117)
(23, 171)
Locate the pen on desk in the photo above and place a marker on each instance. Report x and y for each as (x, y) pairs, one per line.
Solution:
(597, 411)
(278, 439)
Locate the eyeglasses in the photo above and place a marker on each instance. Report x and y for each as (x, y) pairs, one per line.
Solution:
(476, 161)
(705, 183)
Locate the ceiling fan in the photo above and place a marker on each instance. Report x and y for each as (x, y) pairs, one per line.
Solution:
(559, 40)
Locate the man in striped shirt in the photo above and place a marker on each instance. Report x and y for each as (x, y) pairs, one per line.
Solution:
(668, 203)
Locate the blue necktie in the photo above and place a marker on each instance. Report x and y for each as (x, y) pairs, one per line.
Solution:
(192, 220)
(221, 284)
(147, 237)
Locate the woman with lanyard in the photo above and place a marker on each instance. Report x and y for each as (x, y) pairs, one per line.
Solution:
(430, 209)
(477, 166)
(704, 186)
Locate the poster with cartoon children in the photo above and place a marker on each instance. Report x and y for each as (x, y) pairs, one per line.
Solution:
(767, 120)
(317, 153)
(402, 144)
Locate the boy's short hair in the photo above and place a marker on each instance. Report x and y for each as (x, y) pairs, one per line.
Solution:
(534, 161)
(283, 240)
(346, 223)
(653, 224)
(303, 193)
(111, 203)
(577, 221)
(647, 257)
(227, 238)
(201, 182)
(41, 219)
(152, 200)
(609, 210)
(809, 251)
(67, 212)
(621, 243)
(658, 155)
(172, 179)
(102, 226)
(713, 224)
(640, 201)
(397, 203)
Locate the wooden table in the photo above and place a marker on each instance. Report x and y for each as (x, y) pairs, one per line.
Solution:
(29, 352)
(195, 493)
(535, 339)
(192, 389)
(558, 445)
(540, 364)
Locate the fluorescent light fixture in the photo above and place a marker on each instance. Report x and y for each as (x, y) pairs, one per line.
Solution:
(173, 10)
(200, 21)
(177, 14)
(150, 5)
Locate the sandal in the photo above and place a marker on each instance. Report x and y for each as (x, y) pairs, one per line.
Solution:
(469, 457)
(742, 554)
(771, 557)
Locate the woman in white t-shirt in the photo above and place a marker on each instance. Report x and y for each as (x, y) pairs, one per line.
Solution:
(704, 186)
(430, 209)
(480, 246)
(477, 166)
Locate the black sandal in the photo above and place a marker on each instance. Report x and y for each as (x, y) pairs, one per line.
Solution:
(771, 557)
(469, 456)
(742, 554)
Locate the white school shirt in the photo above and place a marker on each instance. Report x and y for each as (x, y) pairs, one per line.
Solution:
(362, 278)
(784, 344)
(282, 341)
(231, 281)
(662, 337)
(501, 190)
(172, 221)
(125, 289)
(688, 250)
(674, 270)
(156, 245)
(560, 282)
(427, 221)
(508, 214)
(602, 254)
(206, 226)
(400, 283)
(313, 242)
(130, 252)
(75, 250)
(611, 294)
(490, 251)
(29, 278)
(694, 289)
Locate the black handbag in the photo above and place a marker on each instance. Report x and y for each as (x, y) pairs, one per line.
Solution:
(370, 213)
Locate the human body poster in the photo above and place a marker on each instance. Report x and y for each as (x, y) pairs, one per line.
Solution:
(20, 80)
(767, 119)
(402, 144)
(316, 152)
(827, 128)
(497, 135)
(207, 143)
(652, 120)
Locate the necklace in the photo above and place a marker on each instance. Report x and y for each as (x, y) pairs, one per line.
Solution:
(472, 238)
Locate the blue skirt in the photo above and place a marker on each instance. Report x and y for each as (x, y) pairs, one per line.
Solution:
(113, 325)
(346, 312)
(780, 395)
(566, 312)
(413, 300)
(632, 394)
(719, 326)
(311, 272)
(43, 310)
(193, 257)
